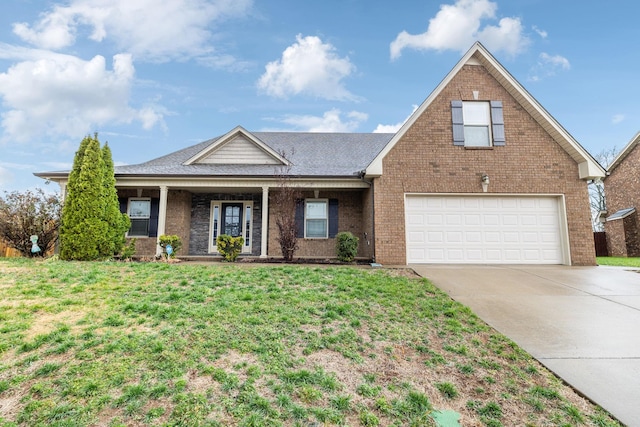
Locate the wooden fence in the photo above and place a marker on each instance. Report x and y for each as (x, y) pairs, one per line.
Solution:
(600, 239)
(6, 251)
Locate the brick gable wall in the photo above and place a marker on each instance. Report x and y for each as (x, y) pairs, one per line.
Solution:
(622, 191)
(426, 161)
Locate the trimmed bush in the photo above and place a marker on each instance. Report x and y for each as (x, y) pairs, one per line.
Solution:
(129, 250)
(170, 239)
(346, 246)
(229, 247)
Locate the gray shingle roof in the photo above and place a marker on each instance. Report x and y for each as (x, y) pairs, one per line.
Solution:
(310, 154)
(621, 214)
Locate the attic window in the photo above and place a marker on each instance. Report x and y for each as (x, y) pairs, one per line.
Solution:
(477, 123)
(477, 119)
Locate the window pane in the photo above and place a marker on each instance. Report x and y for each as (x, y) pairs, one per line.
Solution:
(139, 208)
(316, 210)
(215, 224)
(476, 113)
(139, 227)
(316, 228)
(476, 136)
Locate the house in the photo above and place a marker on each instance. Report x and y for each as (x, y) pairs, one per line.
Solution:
(480, 173)
(622, 189)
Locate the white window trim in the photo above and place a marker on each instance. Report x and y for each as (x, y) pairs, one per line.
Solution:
(326, 202)
(138, 199)
(488, 125)
(214, 229)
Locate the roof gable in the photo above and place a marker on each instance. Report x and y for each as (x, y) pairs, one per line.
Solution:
(625, 152)
(478, 55)
(237, 147)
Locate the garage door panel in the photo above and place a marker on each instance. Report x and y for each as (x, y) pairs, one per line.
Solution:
(417, 237)
(433, 219)
(481, 229)
(472, 219)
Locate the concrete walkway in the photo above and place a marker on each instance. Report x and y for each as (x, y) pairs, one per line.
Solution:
(583, 323)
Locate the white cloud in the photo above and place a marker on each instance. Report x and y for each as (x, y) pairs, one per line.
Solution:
(393, 128)
(457, 26)
(308, 67)
(555, 61)
(548, 65)
(330, 121)
(61, 95)
(541, 33)
(149, 29)
(618, 118)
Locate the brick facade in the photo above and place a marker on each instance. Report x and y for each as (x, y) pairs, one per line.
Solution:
(350, 218)
(177, 222)
(622, 191)
(425, 161)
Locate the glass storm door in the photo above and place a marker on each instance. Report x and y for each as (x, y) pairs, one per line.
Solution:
(231, 219)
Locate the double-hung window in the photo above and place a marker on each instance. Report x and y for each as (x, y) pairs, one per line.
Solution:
(477, 123)
(139, 213)
(316, 219)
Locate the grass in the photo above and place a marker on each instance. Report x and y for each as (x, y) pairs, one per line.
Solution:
(154, 344)
(619, 261)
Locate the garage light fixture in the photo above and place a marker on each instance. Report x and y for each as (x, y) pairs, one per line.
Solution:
(485, 182)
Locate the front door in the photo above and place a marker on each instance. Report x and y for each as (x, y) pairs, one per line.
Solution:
(231, 219)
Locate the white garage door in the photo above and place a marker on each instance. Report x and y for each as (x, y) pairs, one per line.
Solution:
(483, 229)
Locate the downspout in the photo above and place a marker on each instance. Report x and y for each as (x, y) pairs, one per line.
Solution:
(373, 217)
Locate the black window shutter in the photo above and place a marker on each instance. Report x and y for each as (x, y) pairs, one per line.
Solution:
(123, 204)
(333, 217)
(300, 218)
(497, 123)
(153, 217)
(458, 122)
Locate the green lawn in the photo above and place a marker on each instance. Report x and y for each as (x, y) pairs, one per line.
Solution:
(620, 261)
(121, 344)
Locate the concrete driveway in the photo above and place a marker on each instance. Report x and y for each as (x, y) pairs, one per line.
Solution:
(583, 323)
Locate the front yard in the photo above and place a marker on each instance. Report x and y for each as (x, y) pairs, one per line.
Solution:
(137, 344)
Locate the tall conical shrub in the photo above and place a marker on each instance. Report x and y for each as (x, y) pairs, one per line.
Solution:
(118, 223)
(86, 234)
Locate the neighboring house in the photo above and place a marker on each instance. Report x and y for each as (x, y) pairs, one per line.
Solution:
(622, 190)
(480, 173)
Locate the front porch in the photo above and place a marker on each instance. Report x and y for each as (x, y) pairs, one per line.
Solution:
(199, 215)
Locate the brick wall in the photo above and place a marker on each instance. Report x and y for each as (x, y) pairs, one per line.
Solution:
(622, 191)
(350, 218)
(179, 217)
(177, 221)
(615, 238)
(426, 161)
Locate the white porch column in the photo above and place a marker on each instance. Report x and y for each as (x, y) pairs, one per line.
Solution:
(265, 223)
(63, 192)
(162, 216)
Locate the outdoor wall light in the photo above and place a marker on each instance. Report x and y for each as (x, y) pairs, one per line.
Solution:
(485, 182)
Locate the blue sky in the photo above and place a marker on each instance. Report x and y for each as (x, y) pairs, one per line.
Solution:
(152, 77)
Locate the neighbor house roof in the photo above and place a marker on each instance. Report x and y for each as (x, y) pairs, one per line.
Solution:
(478, 55)
(625, 152)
